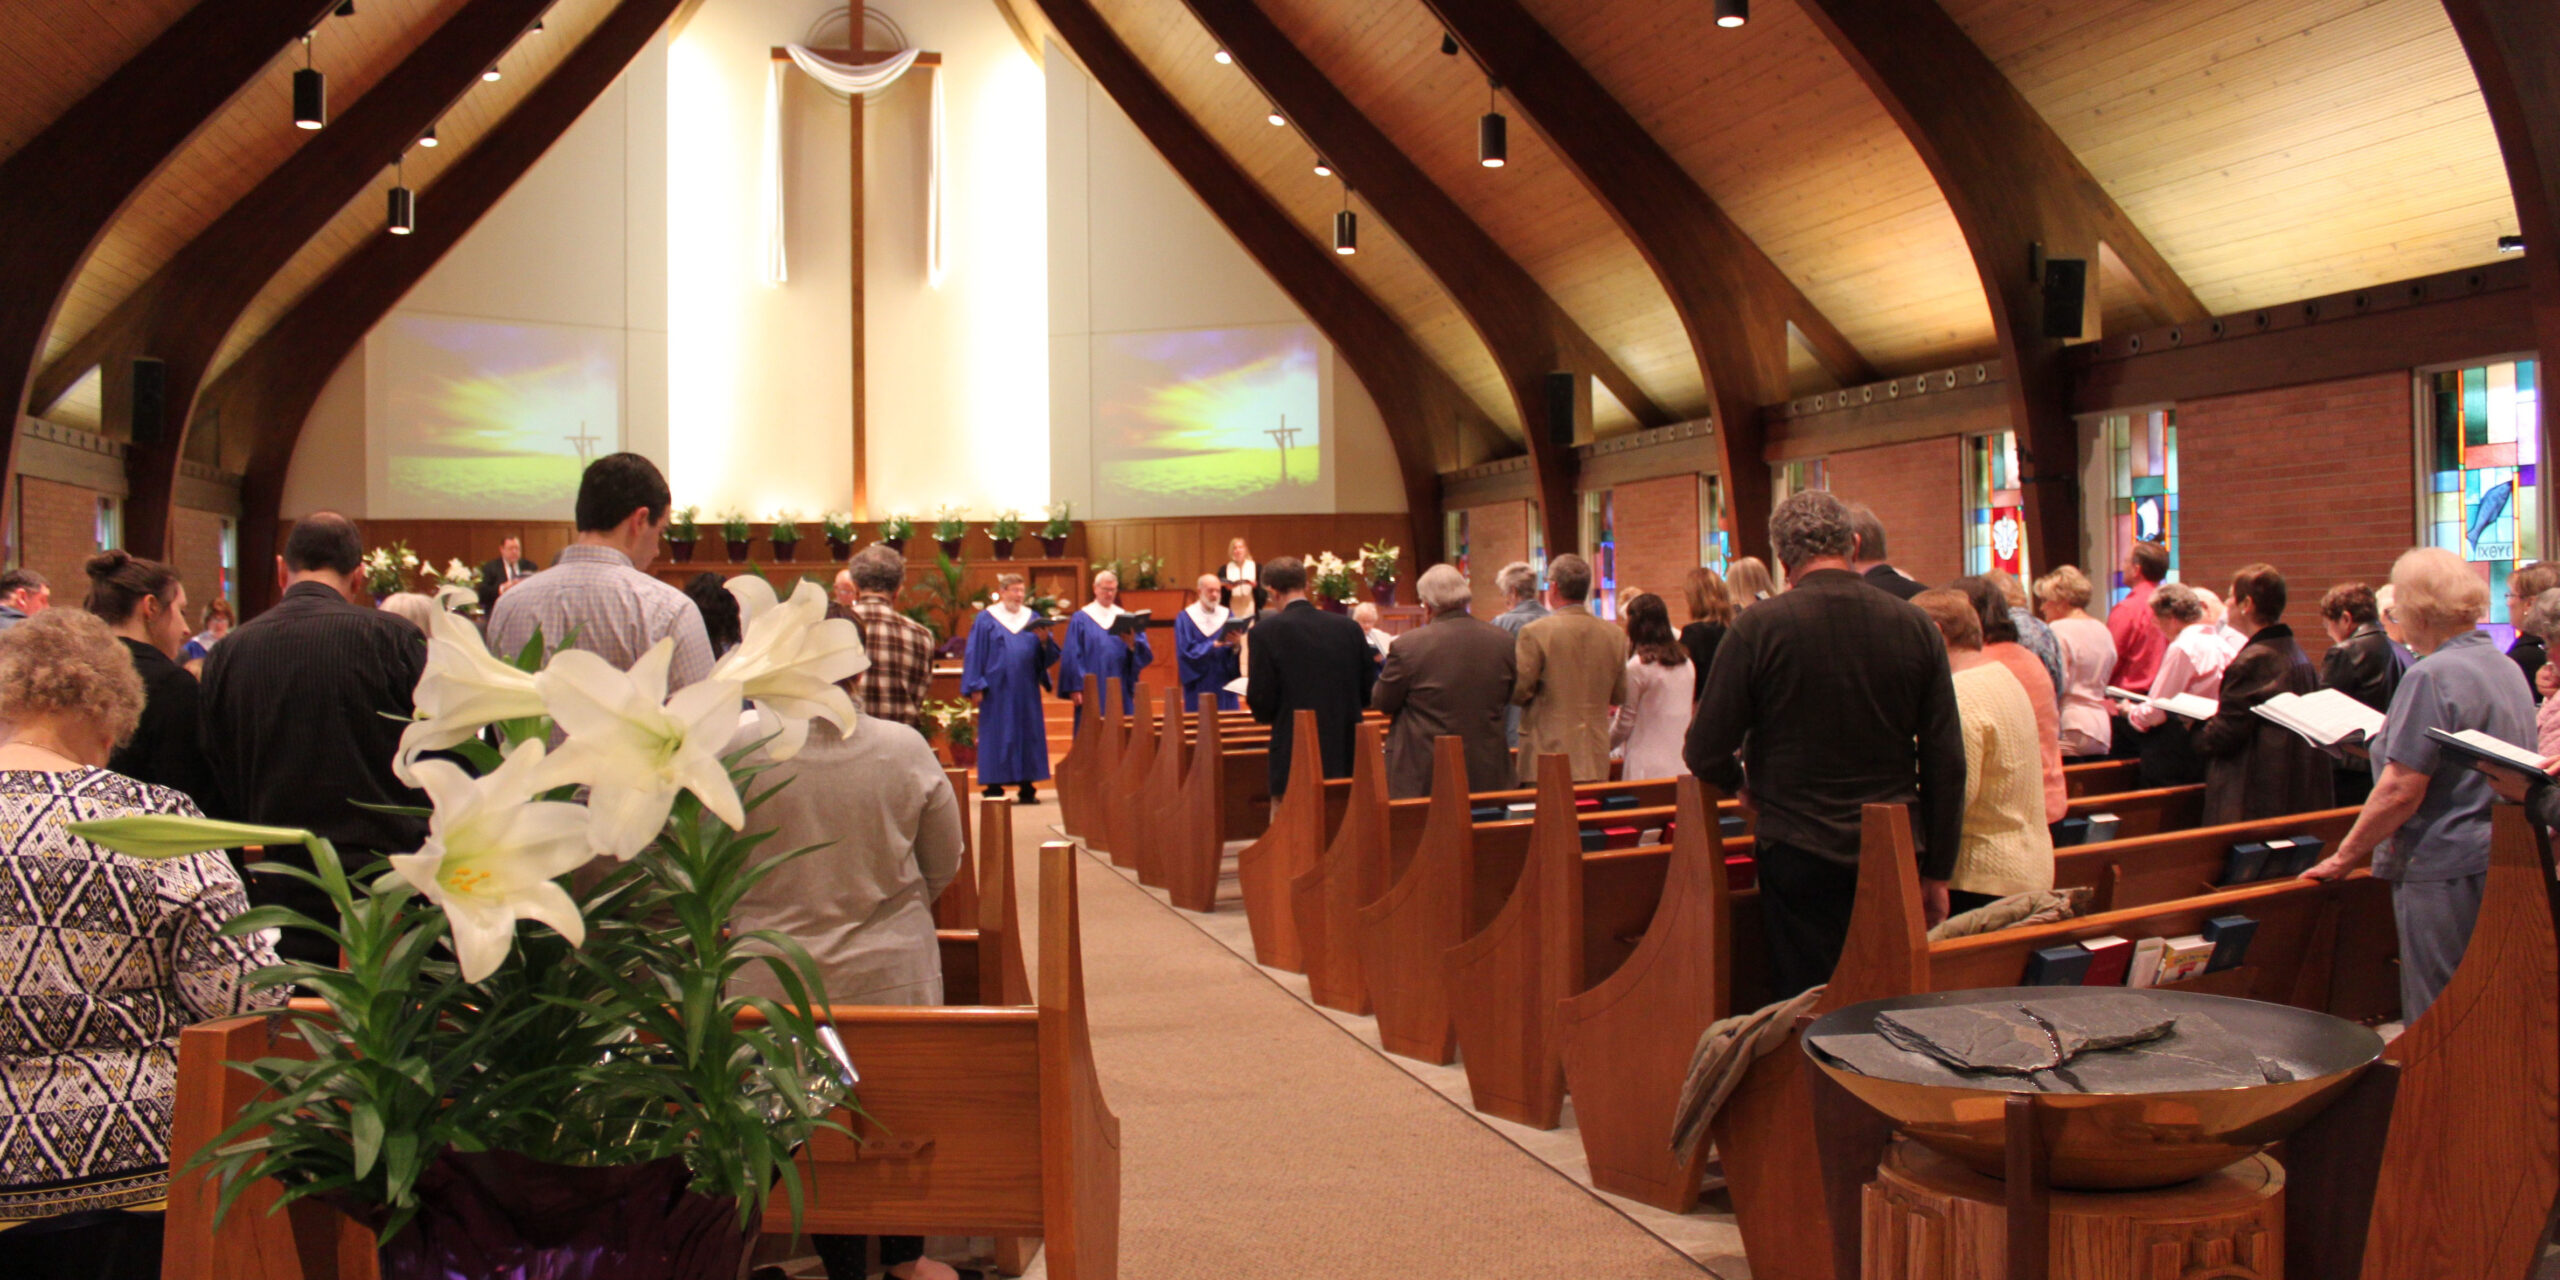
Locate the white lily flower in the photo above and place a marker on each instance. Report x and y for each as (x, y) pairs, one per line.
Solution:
(493, 856)
(465, 689)
(790, 660)
(634, 747)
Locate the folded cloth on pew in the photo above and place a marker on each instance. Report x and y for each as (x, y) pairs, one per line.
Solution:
(2018, 910)
(1725, 1052)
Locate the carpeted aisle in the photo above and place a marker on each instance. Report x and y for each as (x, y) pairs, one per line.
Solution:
(1257, 1140)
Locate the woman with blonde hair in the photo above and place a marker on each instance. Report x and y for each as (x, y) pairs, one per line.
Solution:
(2007, 846)
(1710, 612)
(2088, 661)
(2192, 663)
(1749, 583)
(2426, 825)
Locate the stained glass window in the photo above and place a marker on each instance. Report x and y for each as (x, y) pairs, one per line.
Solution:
(2142, 466)
(1798, 476)
(1715, 542)
(2484, 499)
(1995, 517)
(1600, 540)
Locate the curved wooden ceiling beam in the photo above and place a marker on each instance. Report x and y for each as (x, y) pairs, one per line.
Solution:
(59, 193)
(1734, 302)
(182, 314)
(1527, 332)
(2012, 184)
(2515, 50)
(1418, 399)
(272, 386)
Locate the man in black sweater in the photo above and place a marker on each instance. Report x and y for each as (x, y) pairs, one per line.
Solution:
(1303, 658)
(1836, 696)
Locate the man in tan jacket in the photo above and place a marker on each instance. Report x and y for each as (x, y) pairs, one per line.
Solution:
(1572, 669)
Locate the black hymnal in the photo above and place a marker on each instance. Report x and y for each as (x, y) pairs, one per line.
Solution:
(1132, 622)
(2230, 937)
(2245, 863)
(2062, 966)
(1237, 626)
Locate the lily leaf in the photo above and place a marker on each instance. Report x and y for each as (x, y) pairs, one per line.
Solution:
(162, 836)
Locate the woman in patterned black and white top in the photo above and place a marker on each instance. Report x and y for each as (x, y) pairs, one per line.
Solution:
(103, 958)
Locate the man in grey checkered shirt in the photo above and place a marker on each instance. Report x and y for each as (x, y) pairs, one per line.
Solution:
(598, 593)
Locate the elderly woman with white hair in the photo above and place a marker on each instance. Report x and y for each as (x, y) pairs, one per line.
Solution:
(2426, 825)
(1451, 675)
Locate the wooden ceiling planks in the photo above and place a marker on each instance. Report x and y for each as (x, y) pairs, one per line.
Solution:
(1176, 50)
(52, 54)
(1782, 135)
(234, 151)
(2271, 149)
(1386, 57)
(525, 66)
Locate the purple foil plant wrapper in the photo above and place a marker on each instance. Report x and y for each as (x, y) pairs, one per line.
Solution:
(496, 1215)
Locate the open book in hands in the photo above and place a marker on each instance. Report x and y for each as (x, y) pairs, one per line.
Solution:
(2486, 750)
(2326, 718)
(2192, 706)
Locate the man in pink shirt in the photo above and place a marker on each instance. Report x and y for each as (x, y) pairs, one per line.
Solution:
(2139, 644)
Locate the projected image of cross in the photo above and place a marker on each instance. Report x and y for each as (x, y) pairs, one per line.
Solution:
(584, 442)
(1280, 437)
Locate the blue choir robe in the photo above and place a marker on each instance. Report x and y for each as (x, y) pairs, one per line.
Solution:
(1006, 661)
(1207, 666)
(1092, 650)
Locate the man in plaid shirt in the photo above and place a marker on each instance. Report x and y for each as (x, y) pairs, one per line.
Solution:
(901, 650)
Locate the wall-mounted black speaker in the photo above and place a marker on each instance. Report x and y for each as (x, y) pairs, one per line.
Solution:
(1560, 397)
(150, 399)
(2066, 292)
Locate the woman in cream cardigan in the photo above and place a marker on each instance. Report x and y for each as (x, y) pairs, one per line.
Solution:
(2006, 847)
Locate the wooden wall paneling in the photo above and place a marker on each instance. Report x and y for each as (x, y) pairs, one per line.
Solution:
(1528, 333)
(182, 313)
(2012, 185)
(2514, 48)
(59, 192)
(273, 385)
(1422, 406)
(1732, 300)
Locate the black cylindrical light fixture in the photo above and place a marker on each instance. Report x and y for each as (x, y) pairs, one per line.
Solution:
(310, 93)
(1346, 226)
(1732, 13)
(403, 217)
(1493, 133)
(1323, 170)
(428, 139)
(492, 73)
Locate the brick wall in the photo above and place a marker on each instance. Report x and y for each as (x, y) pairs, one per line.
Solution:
(2318, 481)
(58, 529)
(1496, 536)
(1917, 491)
(195, 547)
(1657, 533)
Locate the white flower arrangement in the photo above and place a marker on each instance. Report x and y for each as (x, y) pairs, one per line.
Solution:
(1329, 578)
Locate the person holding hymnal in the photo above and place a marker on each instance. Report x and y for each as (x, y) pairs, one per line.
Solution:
(2363, 664)
(2192, 663)
(2426, 826)
(1098, 645)
(1204, 649)
(2257, 768)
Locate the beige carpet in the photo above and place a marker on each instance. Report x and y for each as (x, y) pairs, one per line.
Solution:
(1258, 1140)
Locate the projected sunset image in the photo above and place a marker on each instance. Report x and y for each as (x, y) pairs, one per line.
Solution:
(1210, 420)
(485, 419)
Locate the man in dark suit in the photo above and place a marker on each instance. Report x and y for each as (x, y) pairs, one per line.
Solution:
(1306, 659)
(1871, 562)
(1451, 675)
(510, 567)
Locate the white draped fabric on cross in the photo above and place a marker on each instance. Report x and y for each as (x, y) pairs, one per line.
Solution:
(865, 79)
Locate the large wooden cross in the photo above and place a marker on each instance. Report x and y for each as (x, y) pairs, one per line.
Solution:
(861, 461)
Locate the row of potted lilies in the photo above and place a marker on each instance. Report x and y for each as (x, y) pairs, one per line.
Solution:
(950, 528)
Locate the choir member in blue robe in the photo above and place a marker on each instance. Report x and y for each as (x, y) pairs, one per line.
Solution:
(1091, 649)
(1206, 654)
(1007, 662)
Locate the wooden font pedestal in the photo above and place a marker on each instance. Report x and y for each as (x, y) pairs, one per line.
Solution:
(1927, 1217)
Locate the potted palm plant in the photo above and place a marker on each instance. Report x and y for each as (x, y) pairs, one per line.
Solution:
(1053, 535)
(1004, 531)
(740, 535)
(839, 531)
(583, 1098)
(896, 530)
(683, 530)
(786, 534)
(950, 527)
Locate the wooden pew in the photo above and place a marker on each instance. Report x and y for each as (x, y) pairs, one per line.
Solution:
(1073, 777)
(1324, 899)
(978, 1119)
(1771, 1169)
(2095, 777)
(1157, 802)
(1301, 824)
(1127, 779)
(1194, 851)
(957, 908)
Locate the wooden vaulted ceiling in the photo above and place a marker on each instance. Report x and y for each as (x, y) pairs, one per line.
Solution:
(2269, 149)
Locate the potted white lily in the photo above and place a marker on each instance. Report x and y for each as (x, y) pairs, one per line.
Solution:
(502, 1037)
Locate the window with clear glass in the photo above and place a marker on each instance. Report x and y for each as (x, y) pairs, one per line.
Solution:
(1995, 516)
(2142, 466)
(1715, 542)
(1600, 547)
(2484, 497)
(1798, 476)
(110, 531)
